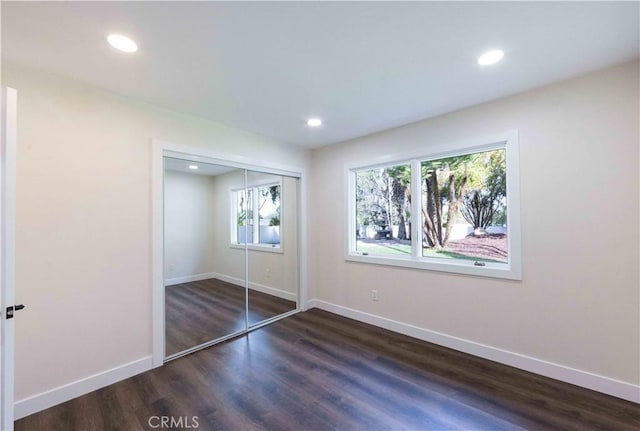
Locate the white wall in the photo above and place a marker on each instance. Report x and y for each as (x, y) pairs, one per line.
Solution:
(271, 272)
(228, 261)
(189, 214)
(280, 270)
(84, 227)
(197, 225)
(84, 222)
(577, 305)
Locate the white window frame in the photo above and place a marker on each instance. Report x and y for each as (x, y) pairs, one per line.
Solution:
(255, 197)
(511, 270)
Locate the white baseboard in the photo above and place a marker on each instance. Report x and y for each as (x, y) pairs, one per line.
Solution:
(258, 287)
(52, 397)
(188, 278)
(563, 373)
(233, 280)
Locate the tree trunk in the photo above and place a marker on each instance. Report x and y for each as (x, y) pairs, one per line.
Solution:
(388, 202)
(433, 212)
(398, 198)
(402, 229)
(430, 231)
(429, 215)
(407, 195)
(438, 206)
(454, 204)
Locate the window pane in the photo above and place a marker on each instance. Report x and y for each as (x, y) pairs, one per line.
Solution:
(383, 211)
(269, 212)
(464, 207)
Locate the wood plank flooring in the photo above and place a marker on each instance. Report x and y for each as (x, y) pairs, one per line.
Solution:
(201, 311)
(319, 371)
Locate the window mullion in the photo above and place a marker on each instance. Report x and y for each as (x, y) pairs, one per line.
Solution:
(234, 217)
(416, 209)
(351, 212)
(256, 215)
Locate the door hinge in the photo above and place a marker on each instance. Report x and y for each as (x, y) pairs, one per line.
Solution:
(10, 310)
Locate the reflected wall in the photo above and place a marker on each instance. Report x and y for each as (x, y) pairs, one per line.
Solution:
(201, 305)
(230, 251)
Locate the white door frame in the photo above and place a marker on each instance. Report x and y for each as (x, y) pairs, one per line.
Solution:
(7, 254)
(161, 149)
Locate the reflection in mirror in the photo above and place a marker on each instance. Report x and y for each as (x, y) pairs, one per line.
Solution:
(205, 293)
(272, 243)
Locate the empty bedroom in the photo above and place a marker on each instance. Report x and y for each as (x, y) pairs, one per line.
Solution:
(320, 215)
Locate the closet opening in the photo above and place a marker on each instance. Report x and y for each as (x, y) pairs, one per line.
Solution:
(226, 253)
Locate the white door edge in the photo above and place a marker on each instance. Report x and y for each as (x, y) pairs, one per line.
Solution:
(7, 254)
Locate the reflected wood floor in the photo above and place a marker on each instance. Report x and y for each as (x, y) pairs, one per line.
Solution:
(319, 371)
(201, 311)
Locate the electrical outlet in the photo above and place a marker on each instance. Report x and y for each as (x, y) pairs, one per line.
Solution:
(374, 295)
(172, 267)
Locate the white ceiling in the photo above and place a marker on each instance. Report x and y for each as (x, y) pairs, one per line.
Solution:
(360, 66)
(208, 169)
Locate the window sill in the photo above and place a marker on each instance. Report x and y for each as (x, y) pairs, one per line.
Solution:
(268, 248)
(492, 270)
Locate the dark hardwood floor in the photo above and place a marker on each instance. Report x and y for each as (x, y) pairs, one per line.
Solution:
(201, 311)
(319, 371)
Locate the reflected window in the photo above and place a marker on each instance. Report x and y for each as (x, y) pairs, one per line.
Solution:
(257, 215)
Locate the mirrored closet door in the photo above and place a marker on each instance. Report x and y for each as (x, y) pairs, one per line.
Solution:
(230, 251)
(205, 289)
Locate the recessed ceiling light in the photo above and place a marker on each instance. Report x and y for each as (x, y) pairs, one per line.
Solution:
(314, 122)
(194, 167)
(122, 43)
(490, 57)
